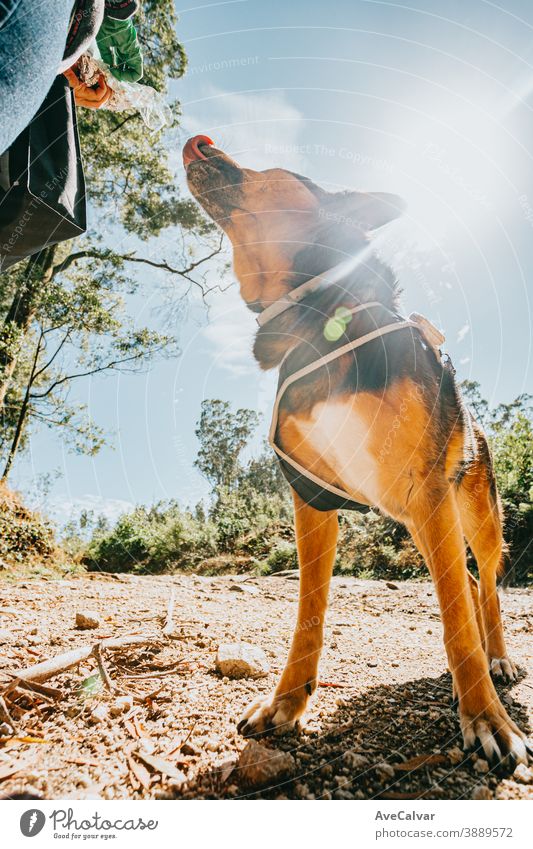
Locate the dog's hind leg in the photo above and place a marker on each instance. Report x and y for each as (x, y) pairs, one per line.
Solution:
(481, 520)
(436, 524)
(316, 539)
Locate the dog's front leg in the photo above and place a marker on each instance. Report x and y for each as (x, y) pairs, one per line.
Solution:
(316, 540)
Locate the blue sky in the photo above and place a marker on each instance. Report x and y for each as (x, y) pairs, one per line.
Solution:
(431, 100)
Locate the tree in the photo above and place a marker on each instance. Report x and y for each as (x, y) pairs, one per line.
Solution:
(509, 429)
(65, 310)
(471, 392)
(223, 434)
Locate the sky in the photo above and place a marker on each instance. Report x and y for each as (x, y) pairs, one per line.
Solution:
(431, 100)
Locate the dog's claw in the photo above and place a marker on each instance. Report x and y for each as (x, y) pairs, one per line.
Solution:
(497, 736)
(277, 714)
(503, 668)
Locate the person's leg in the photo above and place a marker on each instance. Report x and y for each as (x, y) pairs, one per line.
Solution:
(33, 35)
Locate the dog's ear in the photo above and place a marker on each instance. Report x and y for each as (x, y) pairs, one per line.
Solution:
(364, 210)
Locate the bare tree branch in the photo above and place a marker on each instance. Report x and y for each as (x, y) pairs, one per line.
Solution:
(111, 365)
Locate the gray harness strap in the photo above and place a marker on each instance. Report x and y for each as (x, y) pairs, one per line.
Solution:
(325, 486)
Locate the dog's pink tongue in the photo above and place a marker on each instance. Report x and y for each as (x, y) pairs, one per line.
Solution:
(192, 151)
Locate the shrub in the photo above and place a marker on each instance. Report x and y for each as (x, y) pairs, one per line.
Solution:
(283, 556)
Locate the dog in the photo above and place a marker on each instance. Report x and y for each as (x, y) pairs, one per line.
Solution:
(382, 423)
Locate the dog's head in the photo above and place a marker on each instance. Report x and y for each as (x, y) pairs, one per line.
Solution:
(274, 217)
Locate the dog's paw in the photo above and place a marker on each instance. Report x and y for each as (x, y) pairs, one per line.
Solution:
(502, 669)
(496, 733)
(279, 713)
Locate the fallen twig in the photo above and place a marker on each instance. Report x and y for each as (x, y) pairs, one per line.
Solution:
(48, 668)
(34, 687)
(5, 716)
(104, 674)
(168, 627)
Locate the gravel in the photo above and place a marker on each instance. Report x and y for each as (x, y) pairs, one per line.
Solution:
(353, 740)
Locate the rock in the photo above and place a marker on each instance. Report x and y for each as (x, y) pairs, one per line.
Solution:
(481, 766)
(391, 586)
(244, 588)
(455, 755)
(481, 792)
(99, 714)
(524, 774)
(384, 772)
(355, 761)
(259, 766)
(121, 705)
(371, 663)
(86, 620)
(189, 749)
(242, 660)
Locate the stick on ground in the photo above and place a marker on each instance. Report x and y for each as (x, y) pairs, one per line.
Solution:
(169, 621)
(48, 668)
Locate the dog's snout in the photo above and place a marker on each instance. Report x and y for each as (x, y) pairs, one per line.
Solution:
(192, 149)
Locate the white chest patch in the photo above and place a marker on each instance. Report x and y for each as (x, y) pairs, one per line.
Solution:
(336, 433)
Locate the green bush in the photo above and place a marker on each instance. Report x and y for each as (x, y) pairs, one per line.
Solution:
(283, 556)
(23, 534)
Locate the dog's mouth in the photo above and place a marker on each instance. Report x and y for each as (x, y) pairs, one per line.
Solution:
(194, 149)
(214, 178)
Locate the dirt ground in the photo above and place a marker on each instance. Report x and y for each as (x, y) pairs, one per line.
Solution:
(381, 724)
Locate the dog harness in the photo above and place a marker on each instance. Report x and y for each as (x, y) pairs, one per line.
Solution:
(318, 493)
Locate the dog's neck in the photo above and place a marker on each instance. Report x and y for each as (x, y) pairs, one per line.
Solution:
(370, 280)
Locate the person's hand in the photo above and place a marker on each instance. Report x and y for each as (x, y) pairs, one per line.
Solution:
(91, 97)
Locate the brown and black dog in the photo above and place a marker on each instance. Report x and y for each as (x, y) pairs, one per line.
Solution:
(386, 426)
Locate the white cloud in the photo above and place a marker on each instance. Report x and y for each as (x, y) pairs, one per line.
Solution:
(261, 130)
(230, 332)
(63, 510)
(463, 332)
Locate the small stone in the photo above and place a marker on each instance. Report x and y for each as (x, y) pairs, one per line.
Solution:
(524, 774)
(384, 771)
(177, 781)
(189, 749)
(244, 588)
(242, 660)
(455, 755)
(259, 766)
(371, 663)
(99, 714)
(481, 792)
(391, 586)
(355, 761)
(34, 632)
(121, 705)
(86, 621)
(481, 766)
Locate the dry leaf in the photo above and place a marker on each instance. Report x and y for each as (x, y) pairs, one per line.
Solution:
(420, 760)
(140, 772)
(17, 766)
(160, 765)
(29, 740)
(130, 727)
